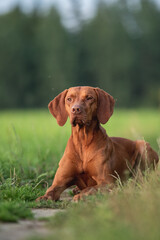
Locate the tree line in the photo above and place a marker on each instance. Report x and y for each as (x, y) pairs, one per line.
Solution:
(117, 50)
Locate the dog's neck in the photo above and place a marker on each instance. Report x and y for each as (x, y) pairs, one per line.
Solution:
(84, 135)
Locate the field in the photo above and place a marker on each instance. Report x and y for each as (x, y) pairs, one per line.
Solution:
(31, 145)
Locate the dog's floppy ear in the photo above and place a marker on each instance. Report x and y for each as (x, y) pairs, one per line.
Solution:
(57, 108)
(105, 105)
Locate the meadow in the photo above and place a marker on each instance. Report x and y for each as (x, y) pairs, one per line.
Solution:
(31, 145)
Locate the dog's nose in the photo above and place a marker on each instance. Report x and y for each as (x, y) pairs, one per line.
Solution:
(76, 109)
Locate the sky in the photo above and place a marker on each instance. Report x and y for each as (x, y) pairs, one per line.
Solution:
(88, 7)
(64, 5)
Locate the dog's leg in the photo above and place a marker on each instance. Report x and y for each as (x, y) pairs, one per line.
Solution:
(64, 178)
(104, 187)
(54, 192)
(82, 182)
(146, 156)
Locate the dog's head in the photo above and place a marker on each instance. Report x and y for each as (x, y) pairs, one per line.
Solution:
(82, 105)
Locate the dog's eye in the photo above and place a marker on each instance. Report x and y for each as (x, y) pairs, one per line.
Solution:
(89, 97)
(69, 99)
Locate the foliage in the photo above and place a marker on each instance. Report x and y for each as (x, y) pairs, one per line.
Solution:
(117, 50)
(129, 212)
(13, 211)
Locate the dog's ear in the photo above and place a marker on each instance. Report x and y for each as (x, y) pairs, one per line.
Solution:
(105, 105)
(57, 108)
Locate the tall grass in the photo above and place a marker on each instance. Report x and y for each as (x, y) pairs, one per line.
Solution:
(129, 212)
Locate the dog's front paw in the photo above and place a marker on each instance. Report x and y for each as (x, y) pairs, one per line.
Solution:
(78, 197)
(45, 197)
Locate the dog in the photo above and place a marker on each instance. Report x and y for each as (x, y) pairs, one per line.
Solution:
(92, 160)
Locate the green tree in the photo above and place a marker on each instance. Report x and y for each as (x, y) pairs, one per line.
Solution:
(56, 70)
(117, 50)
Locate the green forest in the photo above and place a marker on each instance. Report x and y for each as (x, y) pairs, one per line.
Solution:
(117, 50)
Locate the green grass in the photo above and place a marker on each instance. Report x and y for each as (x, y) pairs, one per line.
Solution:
(31, 145)
(13, 211)
(131, 212)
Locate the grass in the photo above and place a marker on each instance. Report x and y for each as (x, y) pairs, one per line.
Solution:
(13, 211)
(31, 145)
(131, 212)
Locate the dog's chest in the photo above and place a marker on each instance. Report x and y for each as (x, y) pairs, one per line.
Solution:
(87, 158)
(88, 149)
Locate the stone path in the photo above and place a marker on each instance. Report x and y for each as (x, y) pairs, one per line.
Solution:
(26, 228)
(45, 212)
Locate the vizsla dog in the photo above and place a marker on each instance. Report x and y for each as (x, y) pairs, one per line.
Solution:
(91, 159)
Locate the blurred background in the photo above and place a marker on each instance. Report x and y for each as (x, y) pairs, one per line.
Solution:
(49, 45)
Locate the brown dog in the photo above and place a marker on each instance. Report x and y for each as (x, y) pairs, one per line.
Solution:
(91, 159)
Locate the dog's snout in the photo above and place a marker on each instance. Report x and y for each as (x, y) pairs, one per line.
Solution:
(76, 109)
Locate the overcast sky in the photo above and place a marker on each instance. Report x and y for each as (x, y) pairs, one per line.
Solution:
(27, 5)
(88, 7)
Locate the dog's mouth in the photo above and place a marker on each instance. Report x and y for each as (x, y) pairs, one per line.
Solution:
(77, 121)
(81, 121)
